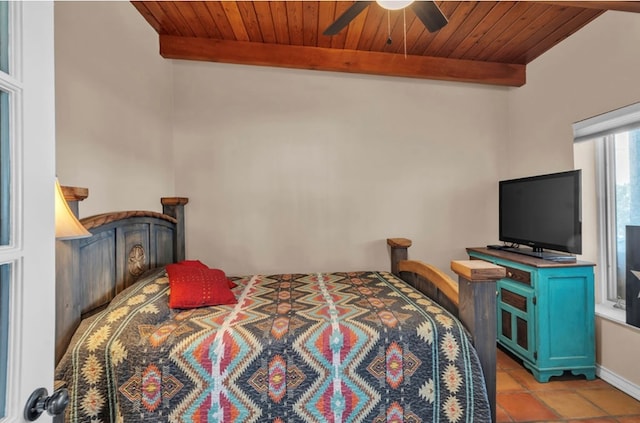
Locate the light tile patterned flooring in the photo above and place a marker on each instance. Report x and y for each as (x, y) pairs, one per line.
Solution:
(567, 398)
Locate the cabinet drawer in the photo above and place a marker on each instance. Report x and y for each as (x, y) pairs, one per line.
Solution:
(518, 275)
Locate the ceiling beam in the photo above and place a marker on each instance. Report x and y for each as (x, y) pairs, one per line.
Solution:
(354, 61)
(622, 6)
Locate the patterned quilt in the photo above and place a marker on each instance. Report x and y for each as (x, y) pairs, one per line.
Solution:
(330, 347)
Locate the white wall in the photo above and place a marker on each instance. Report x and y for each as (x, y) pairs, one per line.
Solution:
(113, 107)
(297, 171)
(593, 71)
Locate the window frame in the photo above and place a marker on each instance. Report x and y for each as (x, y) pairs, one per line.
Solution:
(607, 210)
(601, 130)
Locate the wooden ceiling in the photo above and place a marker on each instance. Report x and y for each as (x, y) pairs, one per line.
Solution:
(488, 42)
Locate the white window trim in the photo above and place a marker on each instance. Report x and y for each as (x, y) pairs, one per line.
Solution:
(601, 126)
(606, 310)
(14, 89)
(622, 119)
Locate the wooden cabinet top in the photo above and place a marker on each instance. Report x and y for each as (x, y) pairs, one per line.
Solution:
(526, 260)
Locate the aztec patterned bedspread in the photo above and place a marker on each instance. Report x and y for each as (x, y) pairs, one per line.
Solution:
(331, 347)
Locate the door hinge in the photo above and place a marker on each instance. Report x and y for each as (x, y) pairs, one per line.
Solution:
(535, 355)
(534, 300)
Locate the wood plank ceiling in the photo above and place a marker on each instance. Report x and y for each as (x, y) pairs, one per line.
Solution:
(488, 42)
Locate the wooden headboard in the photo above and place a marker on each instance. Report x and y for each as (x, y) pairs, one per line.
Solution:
(123, 245)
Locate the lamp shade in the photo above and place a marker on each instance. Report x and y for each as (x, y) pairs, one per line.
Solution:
(394, 4)
(67, 225)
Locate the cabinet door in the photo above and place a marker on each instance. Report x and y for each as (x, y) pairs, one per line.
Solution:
(566, 319)
(516, 317)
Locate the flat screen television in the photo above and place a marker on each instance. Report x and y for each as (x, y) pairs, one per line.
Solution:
(542, 212)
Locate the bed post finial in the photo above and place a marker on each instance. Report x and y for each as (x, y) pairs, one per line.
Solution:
(174, 207)
(398, 252)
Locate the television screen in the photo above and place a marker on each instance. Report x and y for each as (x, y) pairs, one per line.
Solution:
(542, 212)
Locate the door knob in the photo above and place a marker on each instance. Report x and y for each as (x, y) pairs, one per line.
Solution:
(40, 401)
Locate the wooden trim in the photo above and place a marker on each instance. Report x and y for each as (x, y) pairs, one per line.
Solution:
(623, 6)
(339, 60)
(174, 201)
(438, 278)
(102, 219)
(73, 196)
(399, 242)
(477, 270)
(75, 193)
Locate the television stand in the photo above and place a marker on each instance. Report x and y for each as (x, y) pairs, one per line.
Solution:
(545, 312)
(544, 255)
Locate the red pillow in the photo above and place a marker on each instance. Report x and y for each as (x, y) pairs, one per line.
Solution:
(194, 263)
(194, 286)
(199, 264)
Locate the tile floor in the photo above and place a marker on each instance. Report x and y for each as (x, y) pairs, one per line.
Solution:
(520, 398)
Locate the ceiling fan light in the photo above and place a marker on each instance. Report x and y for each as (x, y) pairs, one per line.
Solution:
(394, 4)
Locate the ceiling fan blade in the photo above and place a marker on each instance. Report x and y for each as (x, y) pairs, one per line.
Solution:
(430, 15)
(354, 10)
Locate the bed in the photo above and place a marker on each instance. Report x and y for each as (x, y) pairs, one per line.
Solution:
(367, 346)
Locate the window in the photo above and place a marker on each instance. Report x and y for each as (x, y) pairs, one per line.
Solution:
(616, 163)
(619, 157)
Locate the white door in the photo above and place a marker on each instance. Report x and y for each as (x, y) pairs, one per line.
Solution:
(27, 176)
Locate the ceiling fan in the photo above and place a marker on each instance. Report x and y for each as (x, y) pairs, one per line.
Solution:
(427, 11)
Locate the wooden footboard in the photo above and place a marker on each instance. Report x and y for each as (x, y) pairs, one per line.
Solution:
(472, 299)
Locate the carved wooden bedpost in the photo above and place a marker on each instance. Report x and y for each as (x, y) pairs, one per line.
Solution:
(477, 287)
(174, 207)
(399, 248)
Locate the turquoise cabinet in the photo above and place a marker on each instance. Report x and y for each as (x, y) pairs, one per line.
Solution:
(545, 313)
